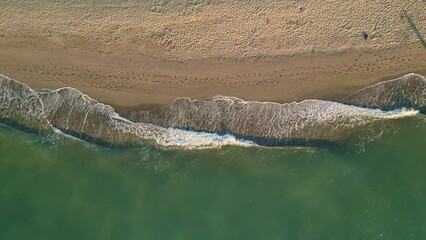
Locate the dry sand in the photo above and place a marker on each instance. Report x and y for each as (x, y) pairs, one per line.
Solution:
(131, 53)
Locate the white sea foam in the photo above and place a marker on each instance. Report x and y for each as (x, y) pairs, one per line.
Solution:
(191, 139)
(120, 118)
(400, 113)
(69, 109)
(59, 132)
(187, 139)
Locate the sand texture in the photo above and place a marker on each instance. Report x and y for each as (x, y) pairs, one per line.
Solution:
(130, 53)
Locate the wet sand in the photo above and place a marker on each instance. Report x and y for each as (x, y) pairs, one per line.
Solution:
(130, 81)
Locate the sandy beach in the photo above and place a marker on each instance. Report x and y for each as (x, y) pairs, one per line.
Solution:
(144, 54)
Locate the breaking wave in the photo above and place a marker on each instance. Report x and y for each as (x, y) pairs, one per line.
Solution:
(210, 123)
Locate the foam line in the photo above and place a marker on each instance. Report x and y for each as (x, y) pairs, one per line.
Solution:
(210, 123)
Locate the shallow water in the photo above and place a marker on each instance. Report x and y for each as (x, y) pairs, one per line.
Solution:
(63, 188)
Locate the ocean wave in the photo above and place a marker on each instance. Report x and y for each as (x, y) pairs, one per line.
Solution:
(408, 91)
(210, 123)
(309, 119)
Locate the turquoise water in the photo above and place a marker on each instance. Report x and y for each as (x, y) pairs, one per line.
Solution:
(62, 188)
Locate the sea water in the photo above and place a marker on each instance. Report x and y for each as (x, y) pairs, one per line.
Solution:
(64, 188)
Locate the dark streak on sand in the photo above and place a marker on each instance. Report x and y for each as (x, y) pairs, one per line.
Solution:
(415, 29)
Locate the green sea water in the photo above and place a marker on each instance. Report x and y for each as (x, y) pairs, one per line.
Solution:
(63, 188)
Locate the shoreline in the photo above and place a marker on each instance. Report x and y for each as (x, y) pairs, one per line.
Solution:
(72, 112)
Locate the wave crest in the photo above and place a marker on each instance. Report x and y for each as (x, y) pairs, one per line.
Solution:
(408, 91)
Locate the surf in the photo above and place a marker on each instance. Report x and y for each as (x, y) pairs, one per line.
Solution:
(210, 123)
